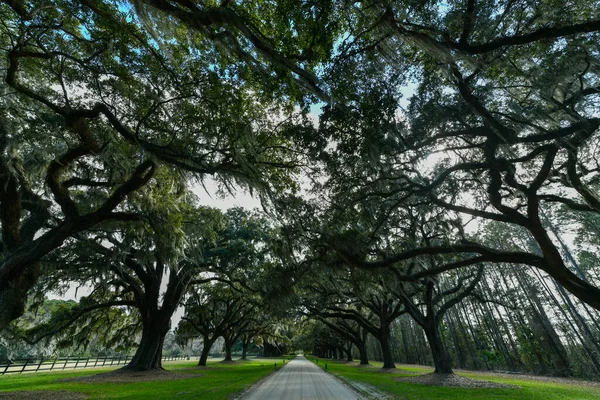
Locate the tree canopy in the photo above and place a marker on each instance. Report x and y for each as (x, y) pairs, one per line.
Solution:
(404, 152)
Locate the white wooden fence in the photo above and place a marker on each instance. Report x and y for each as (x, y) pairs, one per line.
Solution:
(62, 363)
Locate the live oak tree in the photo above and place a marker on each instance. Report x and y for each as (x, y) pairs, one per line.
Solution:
(237, 261)
(32, 226)
(103, 79)
(462, 113)
(506, 142)
(352, 332)
(427, 302)
(326, 342)
(489, 134)
(258, 324)
(244, 249)
(113, 105)
(255, 322)
(429, 298)
(212, 311)
(377, 232)
(153, 265)
(357, 296)
(253, 325)
(382, 309)
(147, 267)
(317, 296)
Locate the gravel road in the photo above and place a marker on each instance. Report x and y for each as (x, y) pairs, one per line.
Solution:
(301, 379)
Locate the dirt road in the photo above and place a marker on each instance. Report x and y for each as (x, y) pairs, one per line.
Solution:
(301, 379)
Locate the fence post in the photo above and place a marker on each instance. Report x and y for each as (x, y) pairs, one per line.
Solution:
(7, 366)
(66, 361)
(25, 365)
(76, 363)
(104, 361)
(53, 362)
(96, 362)
(40, 364)
(86, 362)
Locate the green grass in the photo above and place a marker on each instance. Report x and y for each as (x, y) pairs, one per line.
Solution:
(217, 381)
(528, 389)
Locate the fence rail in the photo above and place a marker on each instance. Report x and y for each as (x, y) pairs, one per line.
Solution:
(61, 363)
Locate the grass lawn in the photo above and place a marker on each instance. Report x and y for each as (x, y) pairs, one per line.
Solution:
(216, 381)
(529, 389)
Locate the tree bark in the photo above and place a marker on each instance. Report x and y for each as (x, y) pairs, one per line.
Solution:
(227, 350)
(205, 350)
(554, 264)
(244, 349)
(362, 351)
(148, 355)
(386, 350)
(19, 268)
(348, 351)
(441, 358)
(13, 297)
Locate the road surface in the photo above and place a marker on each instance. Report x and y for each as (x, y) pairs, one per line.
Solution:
(300, 379)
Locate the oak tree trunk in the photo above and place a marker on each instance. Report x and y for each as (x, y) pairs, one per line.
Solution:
(205, 350)
(148, 355)
(13, 295)
(386, 350)
(348, 352)
(244, 349)
(227, 350)
(362, 351)
(441, 358)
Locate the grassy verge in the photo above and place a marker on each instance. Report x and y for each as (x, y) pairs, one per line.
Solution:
(217, 381)
(528, 389)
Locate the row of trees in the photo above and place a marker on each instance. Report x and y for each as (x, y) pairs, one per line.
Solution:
(137, 282)
(96, 109)
(487, 140)
(103, 125)
(439, 120)
(511, 320)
